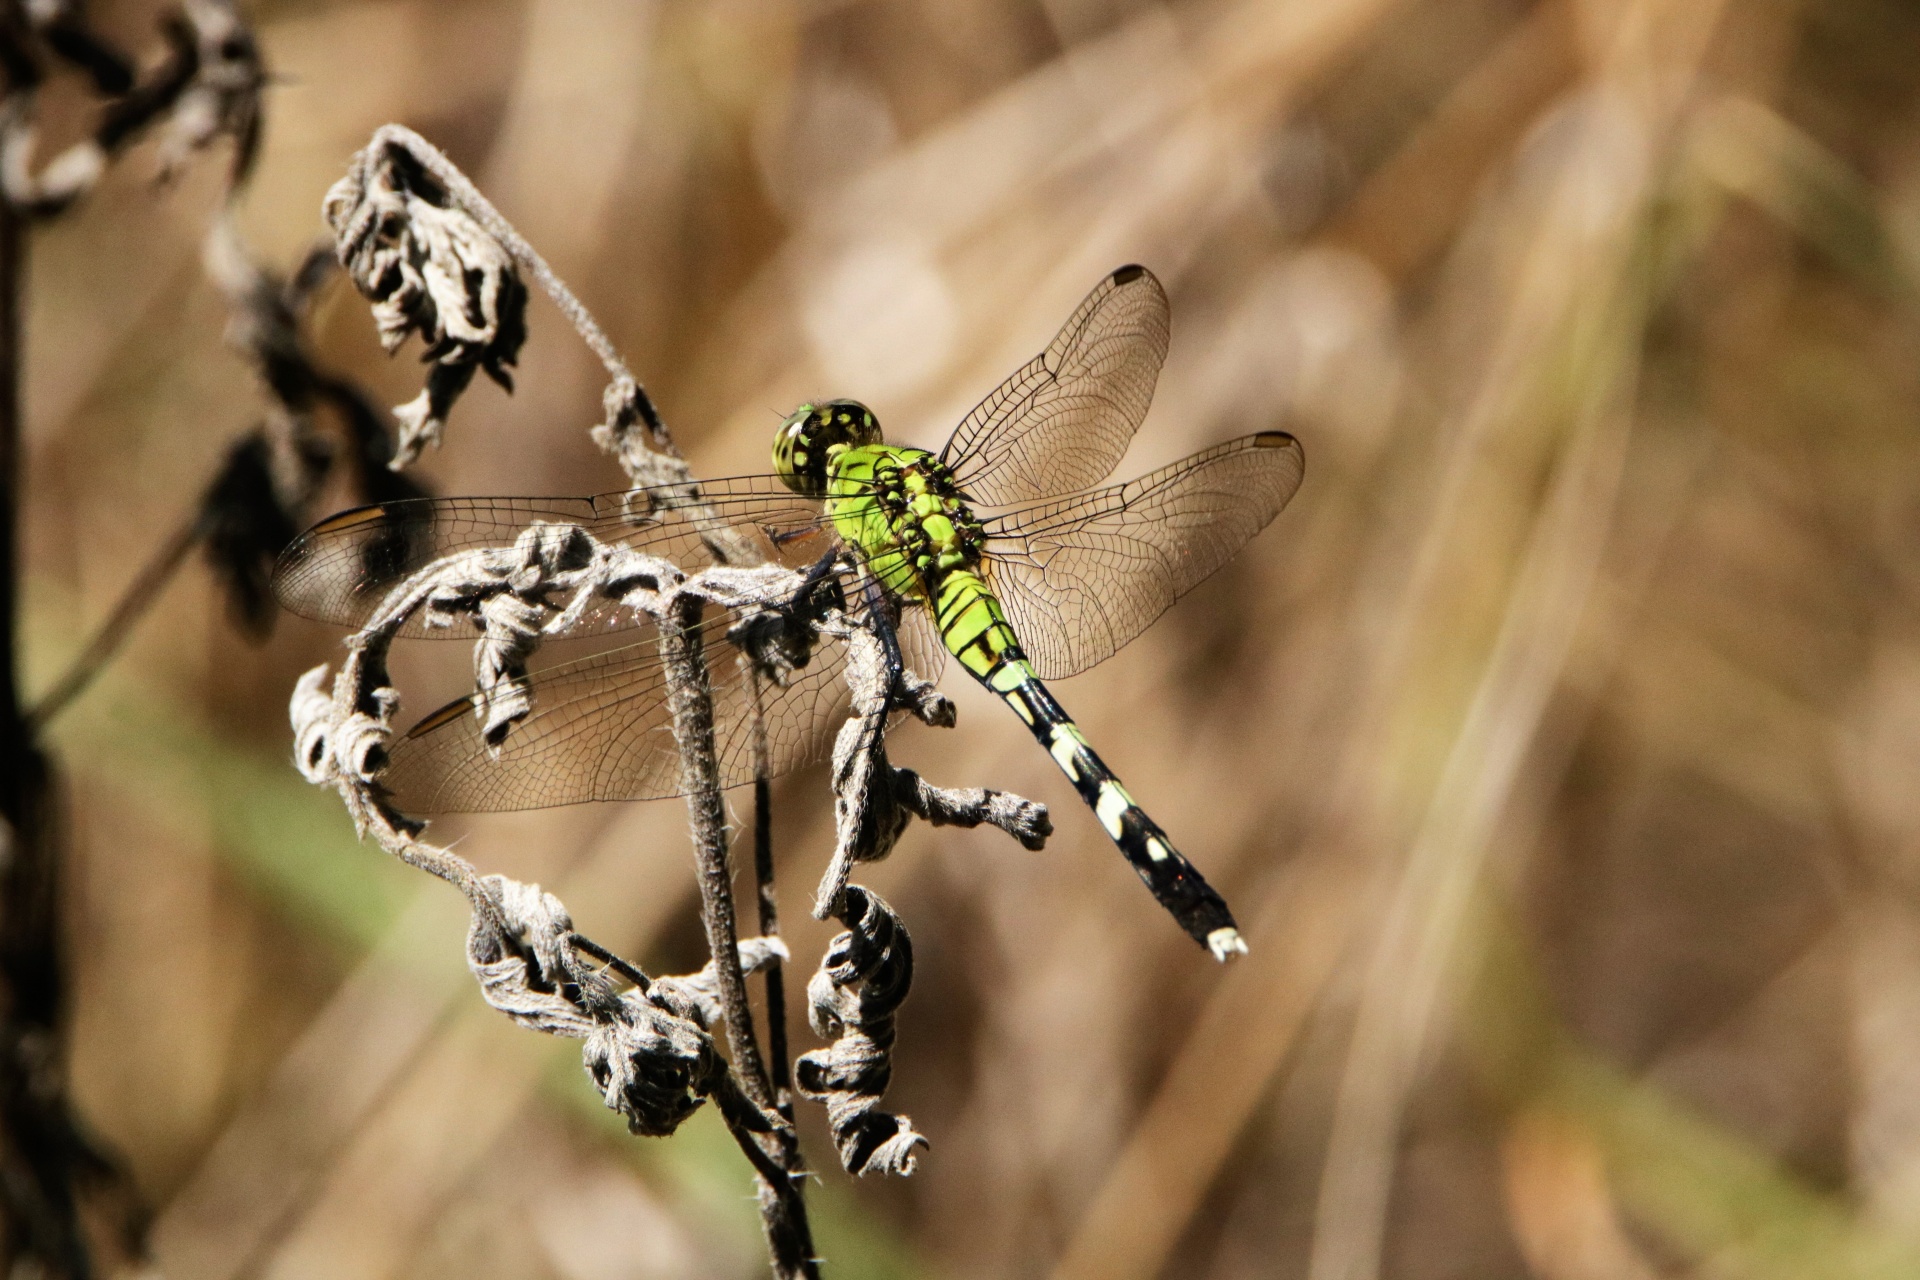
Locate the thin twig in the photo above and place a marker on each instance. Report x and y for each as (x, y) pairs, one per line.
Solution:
(690, 699)
(614, 962)
(782, 1072)
(111, 634)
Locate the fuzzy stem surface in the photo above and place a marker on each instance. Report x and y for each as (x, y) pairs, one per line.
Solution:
(777, 1165)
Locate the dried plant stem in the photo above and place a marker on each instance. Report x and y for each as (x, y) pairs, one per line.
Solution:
(692, 709)
(41, 1222)
(46, 1158)
(612, 961)
(10, 467)
(462, 190)
(38, 1201)
(111, 634)
(769, 909)
(776, 1159)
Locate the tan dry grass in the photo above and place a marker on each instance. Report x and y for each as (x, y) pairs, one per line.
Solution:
(1556, 747)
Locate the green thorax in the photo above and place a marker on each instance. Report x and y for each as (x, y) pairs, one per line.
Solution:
(913, 528)
(900, 508)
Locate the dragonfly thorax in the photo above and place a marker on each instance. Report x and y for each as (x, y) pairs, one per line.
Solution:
(901, 507)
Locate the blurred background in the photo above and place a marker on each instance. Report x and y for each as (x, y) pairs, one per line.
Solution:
(1556, 747)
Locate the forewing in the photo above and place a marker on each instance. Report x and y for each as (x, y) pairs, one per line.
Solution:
(1081, 576)
(600, 730)
(340, 570)
(1063, 421)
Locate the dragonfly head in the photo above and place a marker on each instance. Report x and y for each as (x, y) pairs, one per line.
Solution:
(810, 437)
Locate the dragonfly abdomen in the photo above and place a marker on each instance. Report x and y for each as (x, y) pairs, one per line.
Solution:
(976, 632)
(1176, 883)
(974, 627)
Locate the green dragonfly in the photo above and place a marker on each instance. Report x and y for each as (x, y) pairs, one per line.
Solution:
(1055, 578)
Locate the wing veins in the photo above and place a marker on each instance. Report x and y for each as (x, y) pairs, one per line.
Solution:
(1081, 575)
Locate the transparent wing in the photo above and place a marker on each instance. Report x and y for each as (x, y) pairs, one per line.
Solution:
(1063, 421)
(1081, 576)
(341, 569)
(921, 648)
(600, 730)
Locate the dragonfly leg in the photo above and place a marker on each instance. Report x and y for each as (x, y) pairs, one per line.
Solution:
(880, 611)
(817, 573)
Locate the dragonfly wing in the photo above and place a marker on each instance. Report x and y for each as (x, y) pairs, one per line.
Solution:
(340, 570)
(1063, 421)
(921, 647)
(600, 729)
(1081, 576)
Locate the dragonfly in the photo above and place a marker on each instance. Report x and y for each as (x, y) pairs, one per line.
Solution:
(1004, 551)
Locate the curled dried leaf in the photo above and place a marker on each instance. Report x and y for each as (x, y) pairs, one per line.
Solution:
(651, 1066)
(861, 983)
(429, 268)
(208, 87)
(521, 954)
(222, 99)
(874, 799)
(63, 25)
(647, 1050)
